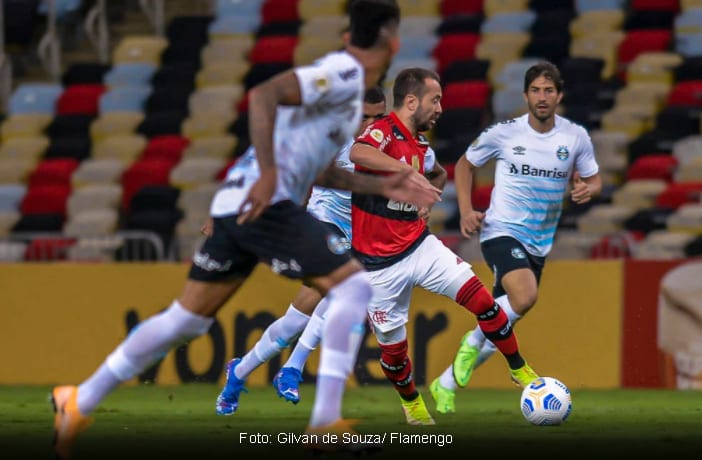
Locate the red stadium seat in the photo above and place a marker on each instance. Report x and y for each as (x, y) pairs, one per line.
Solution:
(481, 197)
(280, 48)
(48, 249)
(53, 171)
(471, 94)
(450, 8)
(639, 41)
(142, 173)
(279, 11)
(686, 93)
(223, 172)
(661, 5)
(454, 47)
(657, 166)
(167, 147)
(80, 99)
(46, 199)
(678, 194)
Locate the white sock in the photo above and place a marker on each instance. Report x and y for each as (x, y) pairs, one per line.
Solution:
(342, 333)
(309, 339)
(276, 337)
(147, 343)
(488, 348)
(446, 379)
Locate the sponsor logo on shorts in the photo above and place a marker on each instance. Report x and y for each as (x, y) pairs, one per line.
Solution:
(338, 244)
(278, 266)
(205, 262)
(517, 253)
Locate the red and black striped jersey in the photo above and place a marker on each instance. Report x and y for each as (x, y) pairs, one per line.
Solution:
(385, 231)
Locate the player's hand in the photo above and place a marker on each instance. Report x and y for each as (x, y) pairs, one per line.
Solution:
(258, 198)
(470, 223)
(401, 187)
(581, 191)
(206, 228)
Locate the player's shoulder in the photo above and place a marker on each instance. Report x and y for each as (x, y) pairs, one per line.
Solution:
(509, 125)
(345, 66)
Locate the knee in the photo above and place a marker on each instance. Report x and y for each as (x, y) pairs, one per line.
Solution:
(523, 302)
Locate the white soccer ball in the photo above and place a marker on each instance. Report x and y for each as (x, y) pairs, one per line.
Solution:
(546, 401)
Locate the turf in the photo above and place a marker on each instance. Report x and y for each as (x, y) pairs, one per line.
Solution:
(179, 422)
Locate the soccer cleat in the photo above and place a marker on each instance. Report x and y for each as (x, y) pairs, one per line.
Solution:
(523, 376)
(286, 383)
(443, 397)
(228, 400)
(348, 440)
(68, 421)
(416, 412)
(464, 362)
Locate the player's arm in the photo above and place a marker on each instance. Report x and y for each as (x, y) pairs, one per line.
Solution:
(264, 99)
(463, 180)
(371, 158)
(395, 187)
(436, 177)
(585, 188)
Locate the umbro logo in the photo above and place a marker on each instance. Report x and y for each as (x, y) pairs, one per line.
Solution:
(519, 150)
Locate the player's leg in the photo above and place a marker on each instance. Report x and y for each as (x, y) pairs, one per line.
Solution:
(287, 380)
(277, 335)
(188, 317)
(458, 281)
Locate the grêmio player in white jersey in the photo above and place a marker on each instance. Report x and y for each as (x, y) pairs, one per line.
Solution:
(537, 155)
(306, 312)
(299, 120)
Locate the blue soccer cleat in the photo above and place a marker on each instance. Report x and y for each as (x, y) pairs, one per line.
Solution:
(287, 384)
(228, 400)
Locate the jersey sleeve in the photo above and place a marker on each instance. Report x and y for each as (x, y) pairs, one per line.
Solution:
(377, 135)
(484, 147)
(330, 79)
(585, 163)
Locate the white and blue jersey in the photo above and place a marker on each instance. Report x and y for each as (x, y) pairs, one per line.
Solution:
(307, 137)
(532, 174)
(333, 205)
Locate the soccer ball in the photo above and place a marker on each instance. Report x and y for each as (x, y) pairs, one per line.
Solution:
(546, 401)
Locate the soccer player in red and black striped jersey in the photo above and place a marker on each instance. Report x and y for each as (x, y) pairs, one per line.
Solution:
(393, 242)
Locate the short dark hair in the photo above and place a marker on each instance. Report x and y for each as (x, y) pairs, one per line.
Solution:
(411, 81)
(374, 95)
(544, 69)
(368, 17)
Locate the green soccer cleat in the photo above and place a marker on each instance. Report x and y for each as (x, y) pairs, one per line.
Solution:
(416, 412)
(464, 362)
(443, 397)
(523, 376)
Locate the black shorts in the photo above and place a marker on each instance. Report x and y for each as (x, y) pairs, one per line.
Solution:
(285, 236)
(504, 254)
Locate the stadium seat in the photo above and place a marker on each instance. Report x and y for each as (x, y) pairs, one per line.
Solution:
(205, 125)
(98, 171)
(602, 219)
(115, 124)
(687, 149)
(39, 222)
(56, 171)
(121, 147)
(219, 101)
(27, 148)
(24, 125)
(130, 74)
(450, 8)
(84, 73)
(80, 99)
(636, 42)
(466, 94)
(94, 196)
(308, 9)
(594, 21)
(195, 201)
(508, 22)
(419, 7)
(504, 6)
(454, 47)
(657, 166)
(11, 196)
(678, 194)
(46, 199)
(508, 103)
(582, 6)
(211, 147)
(274, 49)
(309, 49)
(34, 98)
(655, 5)
(72, 125)
(233, 25)
(12, 251)
(639, 194)
(143, 173)
(686, 93)
(15, 170)
(224, 74)
(647, 220)
(47, 249)
(138, 48)
(162, 123)
(603, 45)
(686, 219)
(194, 171)
(165, 147)
(92, 222)
(417, 47)
(690, 172)
(468, 69)
(690, 69)
(127, 98)
(662, 245)
(69, 147)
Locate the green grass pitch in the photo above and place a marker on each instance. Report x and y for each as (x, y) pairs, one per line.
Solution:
(179, 422)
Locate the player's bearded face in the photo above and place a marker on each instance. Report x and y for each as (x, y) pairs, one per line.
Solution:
(429, 109)
(542, 98)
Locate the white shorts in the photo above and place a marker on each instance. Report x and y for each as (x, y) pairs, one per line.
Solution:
(431, 266)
